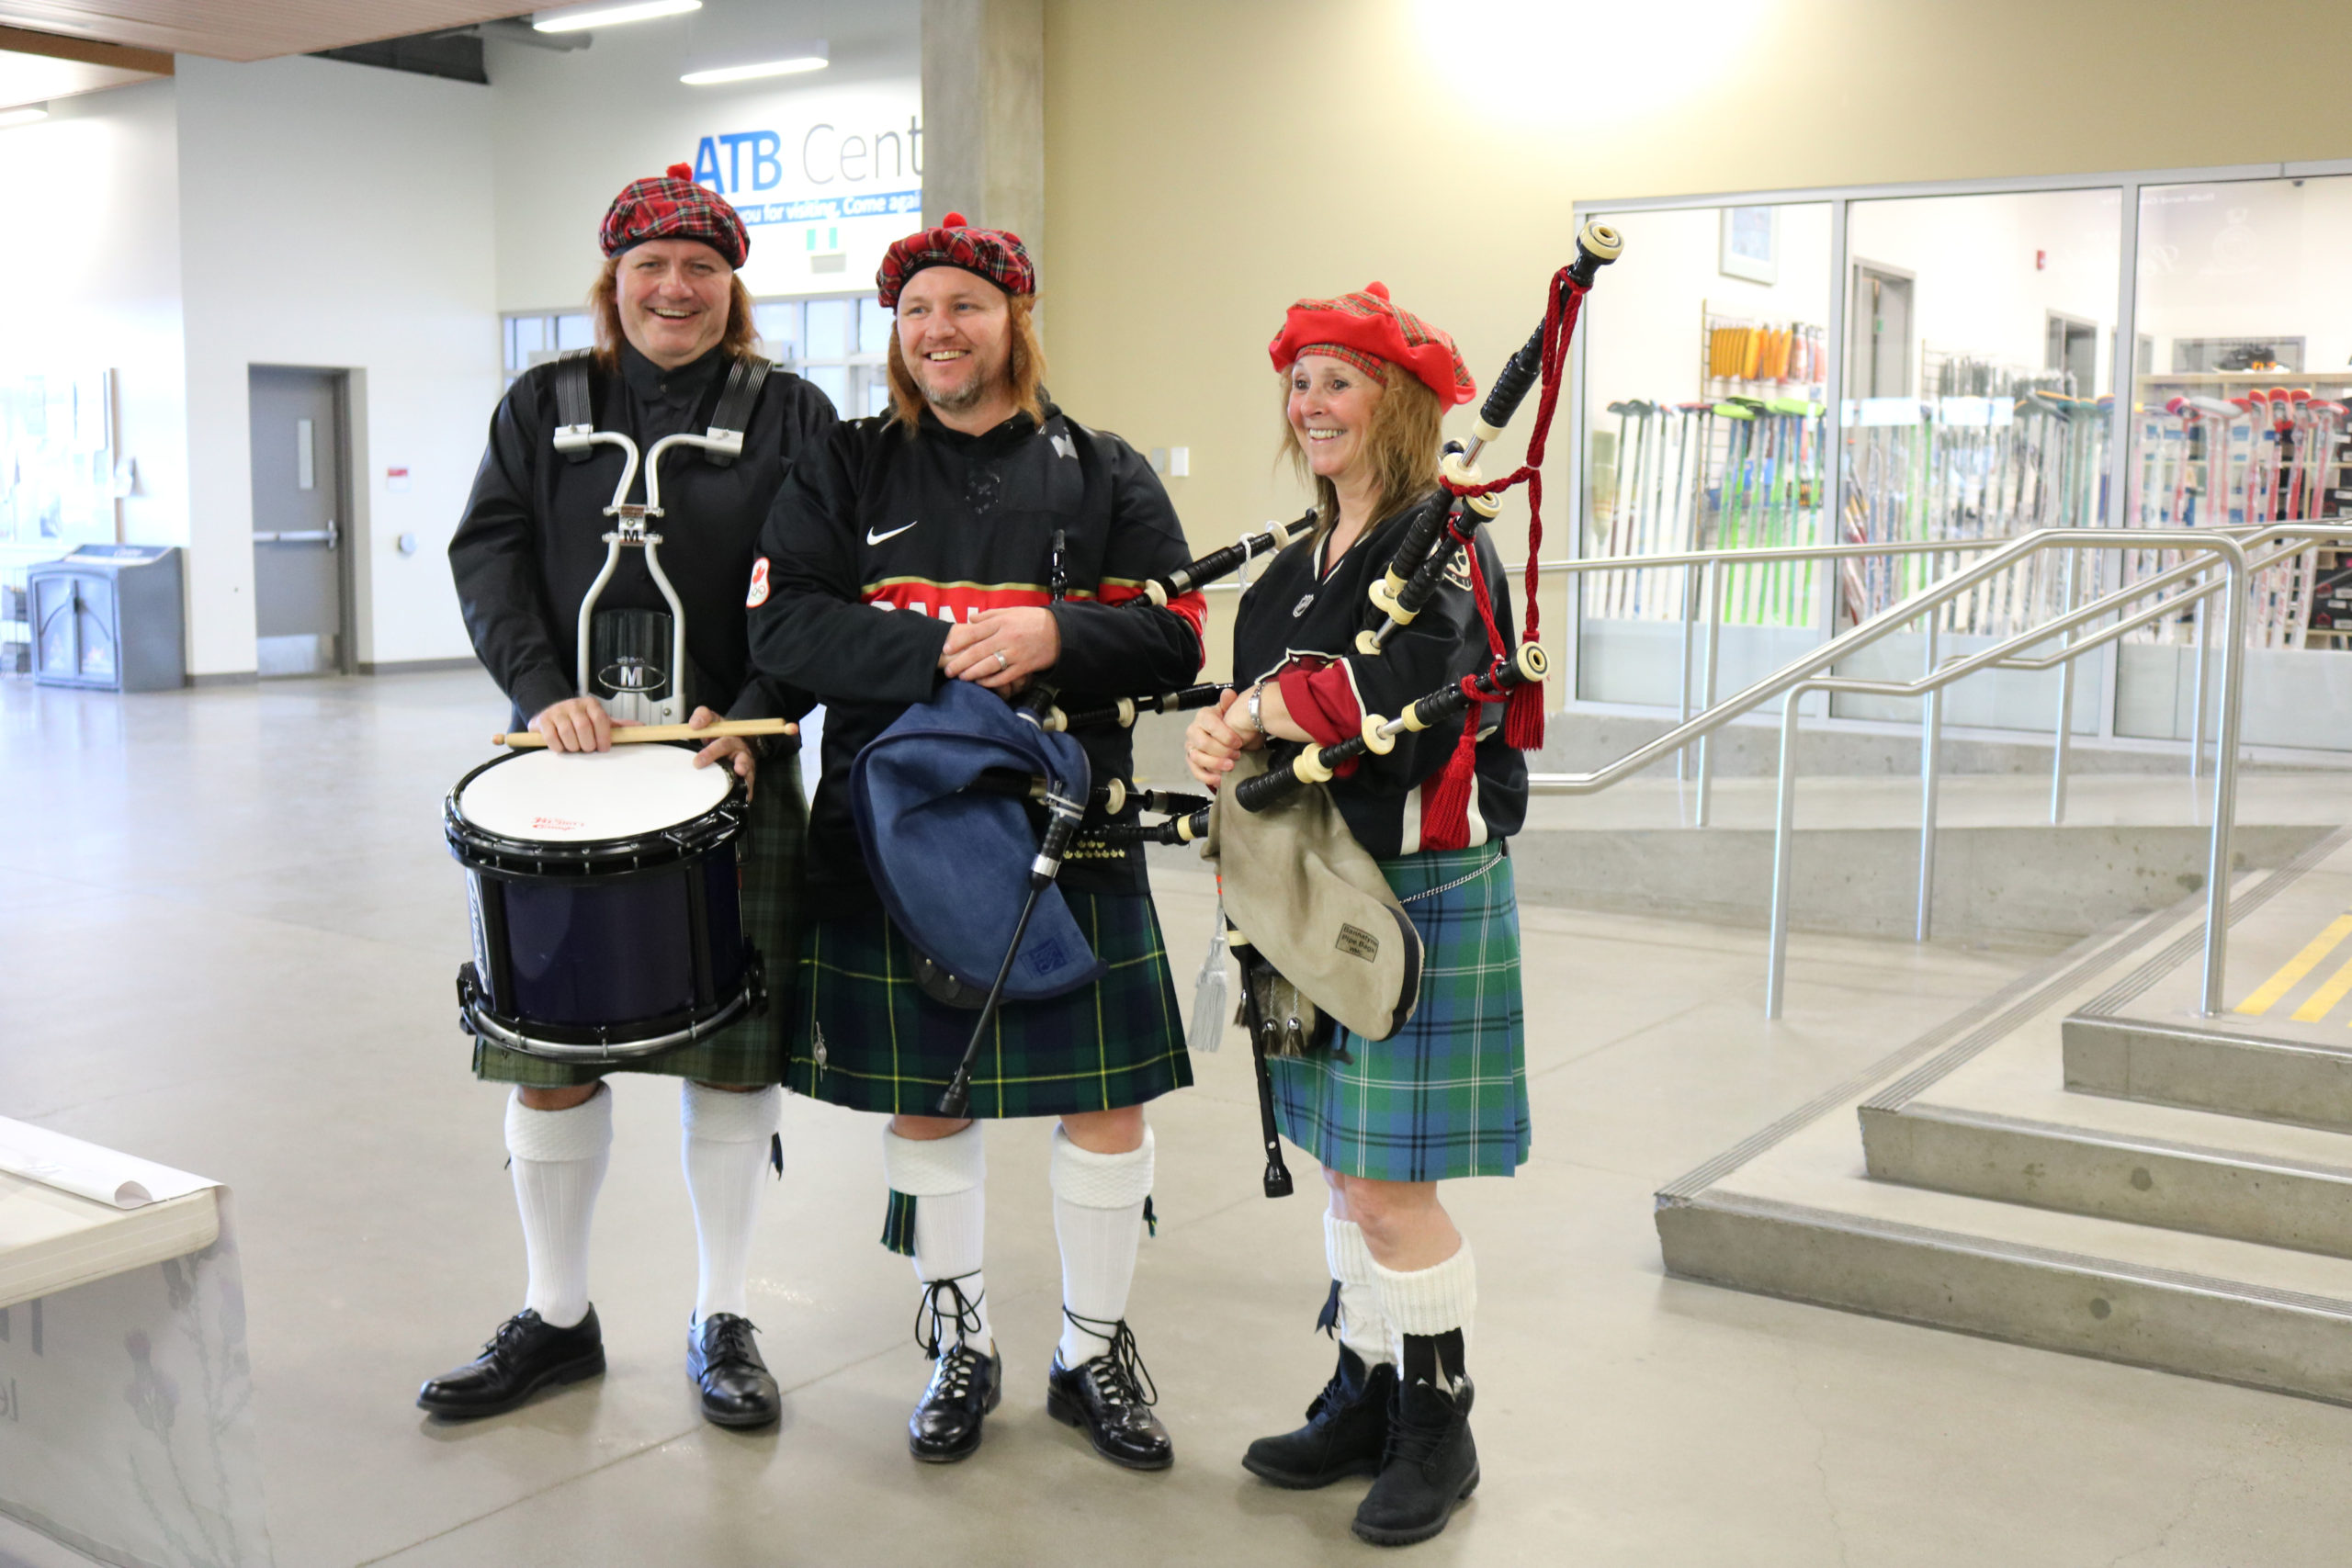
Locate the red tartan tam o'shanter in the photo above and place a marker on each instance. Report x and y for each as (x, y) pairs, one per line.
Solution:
(1370, 334)
(996, 254)
(670, 206)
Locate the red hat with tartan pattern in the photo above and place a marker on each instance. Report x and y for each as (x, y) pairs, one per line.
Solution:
(670, 206)
(996, 254)
(1370, 334)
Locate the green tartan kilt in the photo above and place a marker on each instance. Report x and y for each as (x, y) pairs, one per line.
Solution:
(864, 1035)
(750, 1051)
(1446, 1095)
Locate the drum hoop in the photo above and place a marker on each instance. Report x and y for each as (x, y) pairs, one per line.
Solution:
(556, 1042)
(475, 847)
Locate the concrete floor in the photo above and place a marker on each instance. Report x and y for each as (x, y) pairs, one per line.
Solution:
(230, 930)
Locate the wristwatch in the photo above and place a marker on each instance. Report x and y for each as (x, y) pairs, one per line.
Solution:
(1258, 707)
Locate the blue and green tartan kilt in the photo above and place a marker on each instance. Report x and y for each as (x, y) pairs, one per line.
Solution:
(750, 1051)
(1446, 1095)
(865, 1036)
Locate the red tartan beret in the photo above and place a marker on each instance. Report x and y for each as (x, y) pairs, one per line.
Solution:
(1369, 332)
(996, 254)
(671, 207)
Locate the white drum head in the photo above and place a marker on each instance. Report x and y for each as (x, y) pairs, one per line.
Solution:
(570, 797)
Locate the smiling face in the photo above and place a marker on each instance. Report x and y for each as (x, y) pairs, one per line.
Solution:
(674, 297)
(1330, 409)
(955, 336)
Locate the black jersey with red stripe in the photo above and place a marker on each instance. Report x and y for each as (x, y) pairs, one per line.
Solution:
(1297, 624)
(933, 526)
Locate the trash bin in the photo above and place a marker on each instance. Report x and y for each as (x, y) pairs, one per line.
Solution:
(108, 616)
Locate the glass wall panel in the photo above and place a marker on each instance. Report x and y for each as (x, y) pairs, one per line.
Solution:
(1979, 340)
(1705, 363)
(2245, 368)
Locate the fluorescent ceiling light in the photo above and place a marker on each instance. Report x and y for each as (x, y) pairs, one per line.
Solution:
(791, 66)
(26, 116)
(608, 14)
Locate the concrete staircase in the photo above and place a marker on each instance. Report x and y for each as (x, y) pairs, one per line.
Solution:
(2083, 1162)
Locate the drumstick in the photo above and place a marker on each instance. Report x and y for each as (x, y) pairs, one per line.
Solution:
(628, 734)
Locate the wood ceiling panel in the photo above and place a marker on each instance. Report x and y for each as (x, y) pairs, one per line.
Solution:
(245, 29)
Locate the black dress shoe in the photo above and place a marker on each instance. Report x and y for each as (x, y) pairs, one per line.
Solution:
(1431, 1466)
(965, 1384)
(736, 1388)
(525, 1355)
(1110, 1397)
(1346, 1431)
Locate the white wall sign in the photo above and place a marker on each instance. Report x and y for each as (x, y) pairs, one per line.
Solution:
(824, 188)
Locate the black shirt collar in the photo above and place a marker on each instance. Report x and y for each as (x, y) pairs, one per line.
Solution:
(651, 382)
(989, 442)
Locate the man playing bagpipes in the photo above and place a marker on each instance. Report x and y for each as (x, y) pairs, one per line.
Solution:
(1391, 1092)
(976, 539)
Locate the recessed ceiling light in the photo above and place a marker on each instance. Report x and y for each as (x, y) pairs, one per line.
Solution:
(790, 66)
(608, 14)
(28, 115)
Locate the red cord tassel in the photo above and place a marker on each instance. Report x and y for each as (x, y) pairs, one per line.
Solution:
(1446, 819)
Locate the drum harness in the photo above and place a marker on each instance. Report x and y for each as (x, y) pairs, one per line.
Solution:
(577, 438)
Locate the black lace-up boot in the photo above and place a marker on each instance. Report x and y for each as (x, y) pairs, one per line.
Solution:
(737, 1388)
(967, 1382)
(525, 1355)
(1346, 1431)
(1110, 1398)
(1431, 1464)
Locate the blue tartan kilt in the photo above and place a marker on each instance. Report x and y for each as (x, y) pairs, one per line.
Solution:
(864, 1035)
(1446, 1095)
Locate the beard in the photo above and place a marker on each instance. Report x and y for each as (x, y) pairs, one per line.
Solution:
(973, 393)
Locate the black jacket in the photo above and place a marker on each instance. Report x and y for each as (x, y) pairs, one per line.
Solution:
(1292, 618)
(881, 519)
(532, 538)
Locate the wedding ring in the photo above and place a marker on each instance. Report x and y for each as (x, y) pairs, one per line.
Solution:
(1001, 664)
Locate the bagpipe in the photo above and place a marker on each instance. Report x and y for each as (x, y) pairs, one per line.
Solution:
(1048, 769)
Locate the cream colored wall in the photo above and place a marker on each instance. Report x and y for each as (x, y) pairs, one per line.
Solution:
(1208, 160)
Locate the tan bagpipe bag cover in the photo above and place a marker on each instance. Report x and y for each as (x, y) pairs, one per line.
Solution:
(1311, 899)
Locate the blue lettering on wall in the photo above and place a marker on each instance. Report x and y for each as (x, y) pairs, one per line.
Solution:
(707, 166)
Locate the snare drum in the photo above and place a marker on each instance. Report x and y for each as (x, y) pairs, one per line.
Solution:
(603, 890)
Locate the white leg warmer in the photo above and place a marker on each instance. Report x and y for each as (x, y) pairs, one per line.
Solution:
(1430, 1302)
(726, 1138)
(1098, 1215)
(947, 1178)
(1362, 1328)
(558, 1158)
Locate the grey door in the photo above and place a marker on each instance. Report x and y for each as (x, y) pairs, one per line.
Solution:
(300, 618)
(1881, 334)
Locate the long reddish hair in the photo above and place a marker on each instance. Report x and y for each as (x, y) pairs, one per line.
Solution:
(741, 340)
(1027, 368)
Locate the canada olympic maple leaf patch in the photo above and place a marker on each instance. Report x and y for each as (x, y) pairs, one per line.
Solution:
(759, 593)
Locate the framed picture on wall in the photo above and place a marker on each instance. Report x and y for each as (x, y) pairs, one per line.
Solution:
(1751, 243)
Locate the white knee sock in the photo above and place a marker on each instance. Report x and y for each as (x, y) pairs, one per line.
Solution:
(1097, 1214)
(947, 1178)
(726, 1143)
(1427, 1303)
(1362, 1328)
(559, 1159)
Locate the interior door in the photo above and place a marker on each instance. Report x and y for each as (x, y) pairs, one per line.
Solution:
(299, 614)
(1880, 333)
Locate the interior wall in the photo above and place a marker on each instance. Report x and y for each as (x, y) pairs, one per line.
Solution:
(102, 290)
(570, 129)
(1440, 147)
(335, 215)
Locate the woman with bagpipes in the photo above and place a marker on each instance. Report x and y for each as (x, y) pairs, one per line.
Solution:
(1444, 1094)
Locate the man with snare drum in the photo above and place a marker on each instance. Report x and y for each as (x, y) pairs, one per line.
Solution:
(676, 353)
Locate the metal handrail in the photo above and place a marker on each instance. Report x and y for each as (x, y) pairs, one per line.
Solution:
(2235, 547)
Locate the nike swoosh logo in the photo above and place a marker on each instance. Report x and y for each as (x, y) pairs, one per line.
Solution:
(874, 538)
